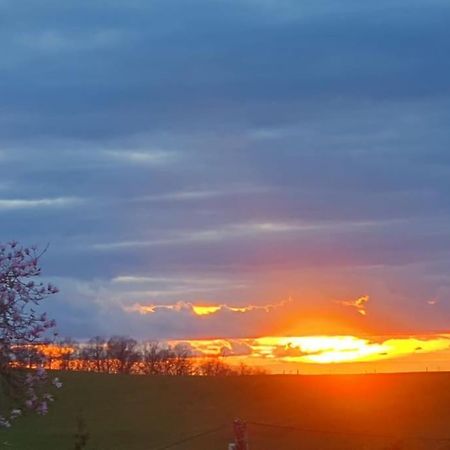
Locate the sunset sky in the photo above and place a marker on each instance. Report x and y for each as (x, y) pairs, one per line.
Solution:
(237, 171)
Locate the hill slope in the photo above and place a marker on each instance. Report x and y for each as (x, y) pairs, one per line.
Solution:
(139, 413)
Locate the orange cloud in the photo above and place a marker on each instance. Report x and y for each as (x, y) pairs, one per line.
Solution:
(322, 349)
(205, 310)
(359, 304)
(202, 309)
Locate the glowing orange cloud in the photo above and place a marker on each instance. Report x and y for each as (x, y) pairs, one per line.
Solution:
(359, 304)
(322, 349)
(205, 310)
(202, 310)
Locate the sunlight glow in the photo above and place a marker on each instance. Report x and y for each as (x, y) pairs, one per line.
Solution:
(295, 351)
(326, 349)
(205, 310)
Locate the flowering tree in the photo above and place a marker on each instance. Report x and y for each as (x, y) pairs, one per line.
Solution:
(23, 380)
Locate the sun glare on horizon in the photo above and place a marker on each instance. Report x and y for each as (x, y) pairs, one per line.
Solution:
(319, 350)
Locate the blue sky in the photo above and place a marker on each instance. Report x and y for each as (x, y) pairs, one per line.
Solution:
(230, 152)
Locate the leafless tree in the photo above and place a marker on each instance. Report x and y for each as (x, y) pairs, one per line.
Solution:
(93, 355)
(182, 361)
(68, 353)
(154, 358)
(215, 367)
(123, 353)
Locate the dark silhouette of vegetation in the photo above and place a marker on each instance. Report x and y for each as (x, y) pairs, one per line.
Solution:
(124, 355)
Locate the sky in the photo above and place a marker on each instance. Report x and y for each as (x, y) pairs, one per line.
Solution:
(283, 163)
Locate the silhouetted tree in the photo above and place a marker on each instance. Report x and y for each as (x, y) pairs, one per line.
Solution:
(181, 360)
(154, 358)
(215, 367)
(245, 370)
(94, 355)
(68, 353)
(123, 353)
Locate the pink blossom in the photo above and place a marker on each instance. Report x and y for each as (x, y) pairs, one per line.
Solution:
(15, 413)
(21, 327)
(57, 383)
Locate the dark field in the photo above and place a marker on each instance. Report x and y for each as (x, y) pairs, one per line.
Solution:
(139, 413)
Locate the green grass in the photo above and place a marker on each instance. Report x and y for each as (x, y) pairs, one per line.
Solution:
(139, 413)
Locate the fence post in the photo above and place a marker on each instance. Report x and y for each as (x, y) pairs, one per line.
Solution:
(240, 435)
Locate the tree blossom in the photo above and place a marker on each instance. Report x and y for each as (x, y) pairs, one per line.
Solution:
(22, 327)
(57, 383)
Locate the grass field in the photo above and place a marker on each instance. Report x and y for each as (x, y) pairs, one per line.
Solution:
(139, 413)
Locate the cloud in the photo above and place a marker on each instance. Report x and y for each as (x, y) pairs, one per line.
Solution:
(203, 194)
(186, 282)
(59, 202)
(245, 230)
(323, 349)
(359, 304)
(289, 350)
(151, 309)
(236, 348)
(202, 309)
(151, 158)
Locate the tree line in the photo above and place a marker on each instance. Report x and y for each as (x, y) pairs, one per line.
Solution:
(125, 355)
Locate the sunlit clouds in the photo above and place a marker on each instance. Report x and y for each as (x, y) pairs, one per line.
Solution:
(359, 304)
(202, 309)
(322, 349)
(311, 354)
(206, 310)
(337, 349)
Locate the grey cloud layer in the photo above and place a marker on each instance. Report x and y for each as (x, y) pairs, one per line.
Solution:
(207, 139)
